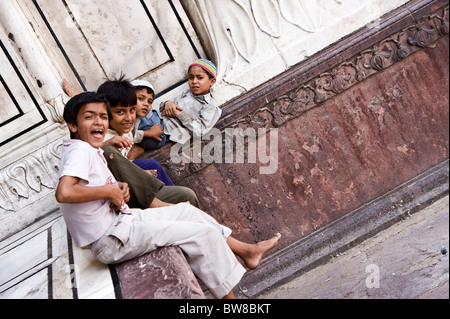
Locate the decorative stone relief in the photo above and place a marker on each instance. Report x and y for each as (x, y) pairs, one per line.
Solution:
(254, 40)
(380, 56)
(30, 175)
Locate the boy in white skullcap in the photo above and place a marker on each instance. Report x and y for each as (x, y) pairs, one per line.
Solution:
(149, 125)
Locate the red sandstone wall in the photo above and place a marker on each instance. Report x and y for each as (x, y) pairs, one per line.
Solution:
(335, 158)
(354, 123)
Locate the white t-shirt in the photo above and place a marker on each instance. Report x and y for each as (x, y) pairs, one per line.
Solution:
(86, 222)
(135, 136)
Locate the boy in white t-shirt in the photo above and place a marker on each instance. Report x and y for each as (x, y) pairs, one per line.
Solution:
(94, 207)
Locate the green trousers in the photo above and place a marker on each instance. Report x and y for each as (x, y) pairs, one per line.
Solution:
(144, 188)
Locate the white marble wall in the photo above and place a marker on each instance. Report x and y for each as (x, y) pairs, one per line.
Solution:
(31, 102)
(41, 262)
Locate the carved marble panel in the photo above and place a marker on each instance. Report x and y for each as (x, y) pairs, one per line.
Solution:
(17, 101)
(94, 40)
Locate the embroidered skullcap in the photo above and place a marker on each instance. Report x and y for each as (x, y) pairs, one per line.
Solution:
(143, 83)
(206, 65)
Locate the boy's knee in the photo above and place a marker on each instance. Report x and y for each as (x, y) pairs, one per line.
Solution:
(178, 194)
(209, 233)
(110, 152)
(191, 197)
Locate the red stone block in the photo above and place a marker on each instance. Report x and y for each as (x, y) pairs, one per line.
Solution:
(162, 274)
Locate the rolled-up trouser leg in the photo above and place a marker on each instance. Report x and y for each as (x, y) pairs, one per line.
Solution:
(178, 194)
(200, 237)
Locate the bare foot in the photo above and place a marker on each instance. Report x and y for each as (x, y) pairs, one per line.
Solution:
(256, 252)
(153, 172)
(135, 152)
(230, 295)
(69, 89)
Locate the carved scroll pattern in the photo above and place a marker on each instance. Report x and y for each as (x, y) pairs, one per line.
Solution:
(340, 78)
(337, 80)
(29, 176)
(232, 27)
(305, 14)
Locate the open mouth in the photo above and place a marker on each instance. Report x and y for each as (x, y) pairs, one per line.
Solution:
(98, 134)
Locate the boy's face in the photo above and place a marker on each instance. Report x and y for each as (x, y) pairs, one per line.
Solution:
(144, 102)
(92, 124)
(199, 81)
(123, 119)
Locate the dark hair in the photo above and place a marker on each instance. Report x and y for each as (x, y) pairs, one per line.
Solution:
(119, 92)
(76, 103)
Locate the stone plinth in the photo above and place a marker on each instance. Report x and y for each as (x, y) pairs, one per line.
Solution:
(162, 274)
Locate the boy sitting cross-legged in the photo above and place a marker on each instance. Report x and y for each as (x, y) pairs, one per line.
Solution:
(94, 207)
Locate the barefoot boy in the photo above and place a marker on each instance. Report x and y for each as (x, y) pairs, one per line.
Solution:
(94, 207)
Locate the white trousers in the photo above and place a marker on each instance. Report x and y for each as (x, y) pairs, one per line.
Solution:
(198, 235)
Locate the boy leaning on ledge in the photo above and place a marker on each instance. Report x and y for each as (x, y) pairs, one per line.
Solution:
(94, 208)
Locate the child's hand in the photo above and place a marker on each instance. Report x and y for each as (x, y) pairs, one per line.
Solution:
(119, 142)
(155, 132)
(116, 196)
(172, 110)
(135, 152)
(126, 191)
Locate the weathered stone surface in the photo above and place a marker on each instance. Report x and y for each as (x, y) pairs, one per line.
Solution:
(162, 274)
(354, 124)
(406, 257)
(335, 158)
(347, 232)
